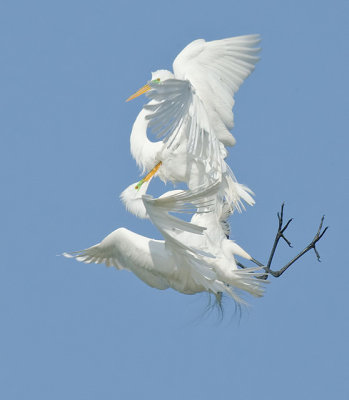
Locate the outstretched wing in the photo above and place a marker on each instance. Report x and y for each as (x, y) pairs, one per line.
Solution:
(178, 115)
(216, 70)
(173, 229)
(187, 243)
(196, 107)
(183, 238)
(124, 249)
(182, 258)
(156, 261)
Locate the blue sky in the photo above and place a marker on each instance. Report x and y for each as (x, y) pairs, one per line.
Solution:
(74, 331)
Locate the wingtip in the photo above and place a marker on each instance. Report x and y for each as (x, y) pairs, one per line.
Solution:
(67, 255)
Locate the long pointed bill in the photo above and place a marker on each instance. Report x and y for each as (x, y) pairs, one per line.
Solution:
(139, 92)
(149, 176)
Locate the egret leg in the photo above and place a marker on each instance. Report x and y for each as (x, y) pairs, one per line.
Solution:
(149, 176)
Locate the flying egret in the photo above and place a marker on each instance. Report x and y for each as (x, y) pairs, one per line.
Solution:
(191, 110)
(192, 258)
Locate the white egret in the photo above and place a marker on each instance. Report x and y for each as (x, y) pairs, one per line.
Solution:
(193, 258)
(191, 109)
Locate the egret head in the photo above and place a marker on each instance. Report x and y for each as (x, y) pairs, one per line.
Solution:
(161, 75)
(132, 198)
(156, 77)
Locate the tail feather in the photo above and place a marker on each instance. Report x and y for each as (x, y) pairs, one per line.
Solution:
(235, 193)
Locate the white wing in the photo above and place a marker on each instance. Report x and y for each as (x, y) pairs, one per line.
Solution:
(196, 107)
(182, 260)
(161, 264)
(187, 243)
(216, 70)
(181, 237)
(124, 249)
(177, 115)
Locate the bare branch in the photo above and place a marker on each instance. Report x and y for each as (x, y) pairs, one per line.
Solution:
(280, 234)
(311, 245)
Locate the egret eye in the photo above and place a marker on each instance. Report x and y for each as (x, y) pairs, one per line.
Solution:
(157, 80)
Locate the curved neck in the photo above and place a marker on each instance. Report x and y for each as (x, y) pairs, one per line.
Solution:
(142, 149)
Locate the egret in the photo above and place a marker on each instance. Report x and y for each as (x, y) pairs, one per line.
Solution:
(191, 110)
(192, 258)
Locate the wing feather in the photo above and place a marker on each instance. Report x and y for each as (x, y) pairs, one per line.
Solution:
(183, 116)
(218, 67)
(178, 233)
(196, 107)
(124, 249)
(181, 240)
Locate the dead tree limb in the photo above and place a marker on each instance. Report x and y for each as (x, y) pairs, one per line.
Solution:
(280, 235)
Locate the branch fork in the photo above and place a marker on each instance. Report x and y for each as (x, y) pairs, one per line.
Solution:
(280, 235)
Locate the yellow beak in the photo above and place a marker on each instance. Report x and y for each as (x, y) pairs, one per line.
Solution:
(142, 90)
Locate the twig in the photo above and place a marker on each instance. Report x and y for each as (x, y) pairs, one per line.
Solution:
(280, 234)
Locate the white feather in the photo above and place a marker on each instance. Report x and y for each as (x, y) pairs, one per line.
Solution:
(194, 257)
(191, 110)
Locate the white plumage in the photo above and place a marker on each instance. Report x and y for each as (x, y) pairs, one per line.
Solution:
(191, 110)
(195, 256)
